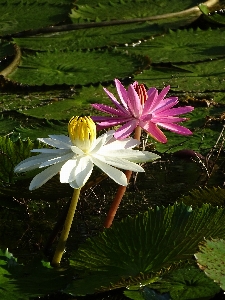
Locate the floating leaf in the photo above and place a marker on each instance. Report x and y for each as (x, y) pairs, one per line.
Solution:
(182, 46)
(90, 38)
(187, 283)
(75, 67)
(147, 243)
(22, 282)
(24, 15)
(214, 196)
(211, 259)
(112, 10)
(198, 76)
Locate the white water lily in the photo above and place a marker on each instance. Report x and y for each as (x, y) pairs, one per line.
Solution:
(74, 156)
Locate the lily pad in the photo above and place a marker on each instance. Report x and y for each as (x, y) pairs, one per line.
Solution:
(211, 259)
(75, 67)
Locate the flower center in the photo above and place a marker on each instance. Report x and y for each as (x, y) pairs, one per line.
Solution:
(141, 91)
(82, 132)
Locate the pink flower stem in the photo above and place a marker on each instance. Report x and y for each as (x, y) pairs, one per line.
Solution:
(121, 189)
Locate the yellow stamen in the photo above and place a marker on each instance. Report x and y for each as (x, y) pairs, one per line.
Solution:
(82, 131)
(82, 128)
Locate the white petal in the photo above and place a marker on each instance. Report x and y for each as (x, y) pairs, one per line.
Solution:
(57, 141)
(77, 150)
(120, 163)
(114, 144)
(51, 151)
(74, 184)
(132, 155)
(67, 169)
(78, 170)
(83, 170)
(118, 176)
(57, 159)
(33, 162)
(44, 176)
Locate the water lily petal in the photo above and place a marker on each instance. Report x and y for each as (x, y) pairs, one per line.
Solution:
(155, 132)
(83, 170)
(176, 128)
(51, 151)
(108, 109)
(77, 150)
(133, 155)
(116, 175)
(56, 160)
(32, 163)
(57, 141)
(151, 101)
(44, 176)
(119, 163)
(115, 102)
(122, 93)
(176, 111)
(67, 171)
(134, 102)
(126, 129)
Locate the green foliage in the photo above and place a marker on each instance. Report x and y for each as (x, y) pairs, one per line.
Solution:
(214, 196)
(197, 76)
(23, 282)
(187, 283)
(75, 67)
(149, 243)
(182, 46)
(24, 15)
(11, 153)
(210, 259)
(90, 38)
(145, 294)
(112, 10)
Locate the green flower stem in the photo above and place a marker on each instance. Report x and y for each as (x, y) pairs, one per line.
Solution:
(66, 229)
(121, 189)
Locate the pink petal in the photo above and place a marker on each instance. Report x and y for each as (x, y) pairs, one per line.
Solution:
(125, 130)
(122, 93)
(176, 111)
(151, 101)
(134, 102)
(176, 128)
(155, 132)
(114, 100)
(107, 109)
(167, 119)
(165, 104)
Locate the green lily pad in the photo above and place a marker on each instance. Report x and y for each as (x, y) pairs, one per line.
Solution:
(187, 283)
(182, 46)
(160, 238)
(197, 76)
(24, 15)
(75, 67)
(211, 259)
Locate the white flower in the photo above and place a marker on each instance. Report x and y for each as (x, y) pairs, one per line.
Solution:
(75, 156)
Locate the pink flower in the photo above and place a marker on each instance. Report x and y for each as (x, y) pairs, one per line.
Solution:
(147, 109)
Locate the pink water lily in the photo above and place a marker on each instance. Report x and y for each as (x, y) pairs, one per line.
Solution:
(147, 109)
